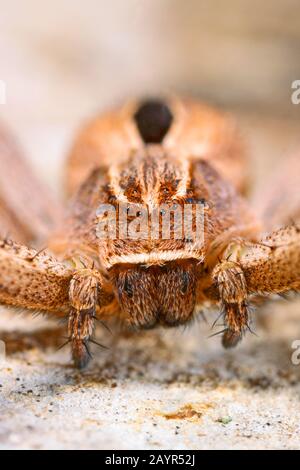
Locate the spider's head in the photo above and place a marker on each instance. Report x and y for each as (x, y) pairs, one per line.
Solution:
(154, 251)
(162, 211)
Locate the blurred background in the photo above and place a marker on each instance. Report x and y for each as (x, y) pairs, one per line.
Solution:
(65, 60)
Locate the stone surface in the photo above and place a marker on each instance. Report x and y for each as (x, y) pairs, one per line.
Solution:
(154, 390)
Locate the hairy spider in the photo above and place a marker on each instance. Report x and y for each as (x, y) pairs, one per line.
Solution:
(147, 155)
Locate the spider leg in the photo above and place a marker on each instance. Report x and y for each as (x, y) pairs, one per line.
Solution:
(27, 211)
(32, 280)
(271, 266)
(84, 298)
(231, 284)
(36, 281)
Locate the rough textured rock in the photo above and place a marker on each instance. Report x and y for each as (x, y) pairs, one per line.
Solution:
(152, 390)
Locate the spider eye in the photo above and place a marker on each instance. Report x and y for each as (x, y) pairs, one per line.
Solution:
(128, 288)
(192, 200)
(202, 201)
(185, 283)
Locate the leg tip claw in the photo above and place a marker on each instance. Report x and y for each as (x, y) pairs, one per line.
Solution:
(231, 338)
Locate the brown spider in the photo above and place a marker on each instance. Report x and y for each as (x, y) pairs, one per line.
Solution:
(150, 153)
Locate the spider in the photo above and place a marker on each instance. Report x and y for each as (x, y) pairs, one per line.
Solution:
(147, 153)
